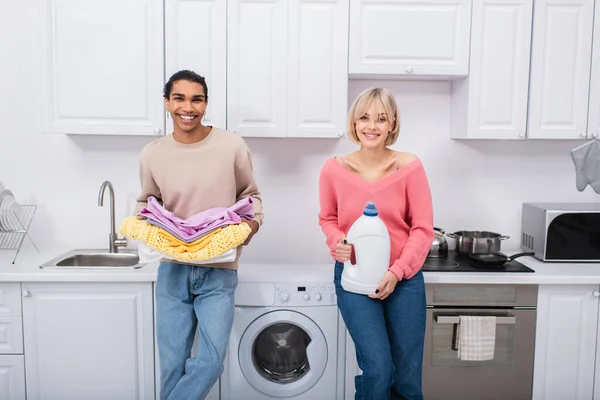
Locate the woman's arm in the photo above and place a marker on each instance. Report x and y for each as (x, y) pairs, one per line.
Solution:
(328, 215)
(420, 236)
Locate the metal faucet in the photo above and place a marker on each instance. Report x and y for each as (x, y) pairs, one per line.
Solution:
(114, 242)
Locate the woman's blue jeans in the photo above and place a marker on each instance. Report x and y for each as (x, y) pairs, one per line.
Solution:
(389, 337)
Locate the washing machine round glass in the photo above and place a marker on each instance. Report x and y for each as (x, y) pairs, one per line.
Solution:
(283, 353)
(279, 352)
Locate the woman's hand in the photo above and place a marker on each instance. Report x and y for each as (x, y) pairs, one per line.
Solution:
(343, 251)
(386, 287)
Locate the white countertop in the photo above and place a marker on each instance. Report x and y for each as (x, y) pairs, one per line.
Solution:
(26, 269)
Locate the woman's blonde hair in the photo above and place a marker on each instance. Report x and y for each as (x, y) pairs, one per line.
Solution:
(361, 106)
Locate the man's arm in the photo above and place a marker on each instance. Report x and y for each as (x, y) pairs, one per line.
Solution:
(246, 187)
(149, 187)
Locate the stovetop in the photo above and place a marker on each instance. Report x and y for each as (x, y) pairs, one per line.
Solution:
(462, 263)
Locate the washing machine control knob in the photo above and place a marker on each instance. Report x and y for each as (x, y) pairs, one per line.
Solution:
(306, 296)
(284, 296)
(319, 297)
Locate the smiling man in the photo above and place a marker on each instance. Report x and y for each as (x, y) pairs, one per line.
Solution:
(194, 169)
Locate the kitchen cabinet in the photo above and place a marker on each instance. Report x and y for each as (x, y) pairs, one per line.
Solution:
(88, 340)
(566, 357)
(533, 74)
(12, 377)
(103, 70)
(492, 102)
(196, 39)
(287, 68)
(560, 69)
(593, 126)
(410, 38)
(352, 369)
(12, 362)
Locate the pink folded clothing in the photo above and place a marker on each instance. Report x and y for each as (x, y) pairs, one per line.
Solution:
(198, 225)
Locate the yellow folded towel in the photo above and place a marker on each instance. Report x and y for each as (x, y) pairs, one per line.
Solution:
(209, 246)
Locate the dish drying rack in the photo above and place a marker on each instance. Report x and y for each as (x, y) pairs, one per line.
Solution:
(13, 239)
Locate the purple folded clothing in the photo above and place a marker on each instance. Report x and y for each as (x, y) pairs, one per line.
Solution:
(187, 239)
(199, 224)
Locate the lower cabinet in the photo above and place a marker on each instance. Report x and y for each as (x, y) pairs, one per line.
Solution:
(12, 377)
(92, 341)
(567, 362)
(12, 361)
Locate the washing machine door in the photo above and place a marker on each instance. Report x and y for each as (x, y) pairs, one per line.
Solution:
(283, 353)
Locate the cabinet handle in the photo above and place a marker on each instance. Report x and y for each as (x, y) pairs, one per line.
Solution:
(594, 135)
(596, 293)
(583, 134)
(26, 293)
(522, 135)
(409, 70)
(157, 130)
(341, 134)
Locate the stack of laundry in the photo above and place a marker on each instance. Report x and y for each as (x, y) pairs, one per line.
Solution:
(213, 234)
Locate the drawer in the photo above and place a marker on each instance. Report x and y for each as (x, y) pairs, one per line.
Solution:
(10, 300)
(11, 335)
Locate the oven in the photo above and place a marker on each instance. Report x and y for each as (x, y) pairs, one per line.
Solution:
(509, 375)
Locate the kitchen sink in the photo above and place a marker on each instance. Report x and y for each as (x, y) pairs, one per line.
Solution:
(95, 259)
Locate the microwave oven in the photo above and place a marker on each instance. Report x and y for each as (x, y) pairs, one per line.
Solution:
(561, 232)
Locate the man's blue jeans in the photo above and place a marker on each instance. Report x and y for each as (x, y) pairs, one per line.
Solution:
(389, 336)
(190, 297)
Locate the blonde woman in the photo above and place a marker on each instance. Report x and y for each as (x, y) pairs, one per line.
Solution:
(388, 327)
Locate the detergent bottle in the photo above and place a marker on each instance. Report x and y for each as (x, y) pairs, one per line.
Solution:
(371, 241)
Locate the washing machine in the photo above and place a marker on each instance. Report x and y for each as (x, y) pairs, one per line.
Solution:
(284, 340)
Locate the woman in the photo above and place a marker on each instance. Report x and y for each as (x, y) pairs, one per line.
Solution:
(388, 327)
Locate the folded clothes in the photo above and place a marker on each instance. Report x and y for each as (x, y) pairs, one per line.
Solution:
(199, 224)
(178, 235)
(212, 245)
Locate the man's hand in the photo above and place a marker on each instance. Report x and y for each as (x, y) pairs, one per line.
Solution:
(254, 226)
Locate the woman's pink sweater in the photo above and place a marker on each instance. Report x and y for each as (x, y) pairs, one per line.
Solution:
(403, 200)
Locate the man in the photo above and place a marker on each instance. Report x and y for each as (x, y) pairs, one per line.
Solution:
(193, 169)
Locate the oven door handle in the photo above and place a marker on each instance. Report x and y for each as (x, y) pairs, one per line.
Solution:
(503, 319)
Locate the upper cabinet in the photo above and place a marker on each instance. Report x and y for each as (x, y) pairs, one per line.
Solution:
(103, 67)
(560, 69)
(287, 68)
(533, 73)
(257, 67)
(196, 39)
(593, 127)
(492, 102)
(407, 37)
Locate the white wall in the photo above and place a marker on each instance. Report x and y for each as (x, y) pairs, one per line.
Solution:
(476, 184)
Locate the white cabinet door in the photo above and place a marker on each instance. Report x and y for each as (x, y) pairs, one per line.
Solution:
(492, 102)
(88, 341)
(103, 67)
(318, 68)
(565, 346)
(560, 69)
(593, 127)
(407, 37)
(257, 58)
(352, 369)
(196, 39)
(12, 377)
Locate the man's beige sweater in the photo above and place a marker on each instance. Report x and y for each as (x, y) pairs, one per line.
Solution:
(190, 178)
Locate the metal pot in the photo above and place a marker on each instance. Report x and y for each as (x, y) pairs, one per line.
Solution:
(439, 246)
(468, 242)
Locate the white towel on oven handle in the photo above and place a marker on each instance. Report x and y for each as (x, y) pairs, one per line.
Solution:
(476, 337)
